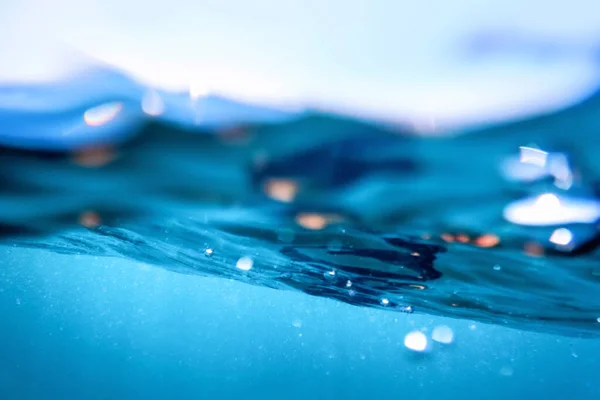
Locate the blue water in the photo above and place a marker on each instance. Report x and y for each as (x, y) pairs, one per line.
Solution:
(365, 231)
(77, 327)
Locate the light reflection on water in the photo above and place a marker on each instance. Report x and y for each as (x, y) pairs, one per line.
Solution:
(333, 207)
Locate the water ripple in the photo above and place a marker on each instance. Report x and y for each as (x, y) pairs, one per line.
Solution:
(368, 215)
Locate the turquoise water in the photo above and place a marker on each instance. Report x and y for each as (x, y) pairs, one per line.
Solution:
(78, 327)
(156, 243)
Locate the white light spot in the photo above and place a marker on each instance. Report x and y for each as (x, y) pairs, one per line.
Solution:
(209, 252)
(385, 302)
(547, 201)
(497, 267)
(442, 334)
(102, 114)
(297, 323)
(329, 274)
(348, 283)
(561, 237)
(198, 90)
(244, 263)
(406, 309)
(530, 155)
(549, 209)
(472, 327)
(152, 103)
(416, 341)
(598, 319)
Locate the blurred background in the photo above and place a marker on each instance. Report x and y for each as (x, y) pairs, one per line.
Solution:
(458, 62)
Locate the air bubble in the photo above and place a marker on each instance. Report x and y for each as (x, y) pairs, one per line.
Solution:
(416, 341)
(443, 334)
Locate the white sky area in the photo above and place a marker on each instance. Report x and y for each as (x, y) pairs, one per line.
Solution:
(396, 60)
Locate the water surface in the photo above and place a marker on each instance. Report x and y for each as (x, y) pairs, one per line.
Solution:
(499, 224)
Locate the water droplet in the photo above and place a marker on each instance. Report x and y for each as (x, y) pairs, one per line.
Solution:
(416, 341)
(385, 302)
(208, 252)
(244, 263)
(443, 334)
(348, 283)
(497, 267)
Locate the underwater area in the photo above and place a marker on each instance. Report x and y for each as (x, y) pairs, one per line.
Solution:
(159, 243)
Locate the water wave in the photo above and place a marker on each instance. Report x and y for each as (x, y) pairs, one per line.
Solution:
(499, 225)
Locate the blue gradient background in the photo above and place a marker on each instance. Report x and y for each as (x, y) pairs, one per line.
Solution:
(79, 327)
